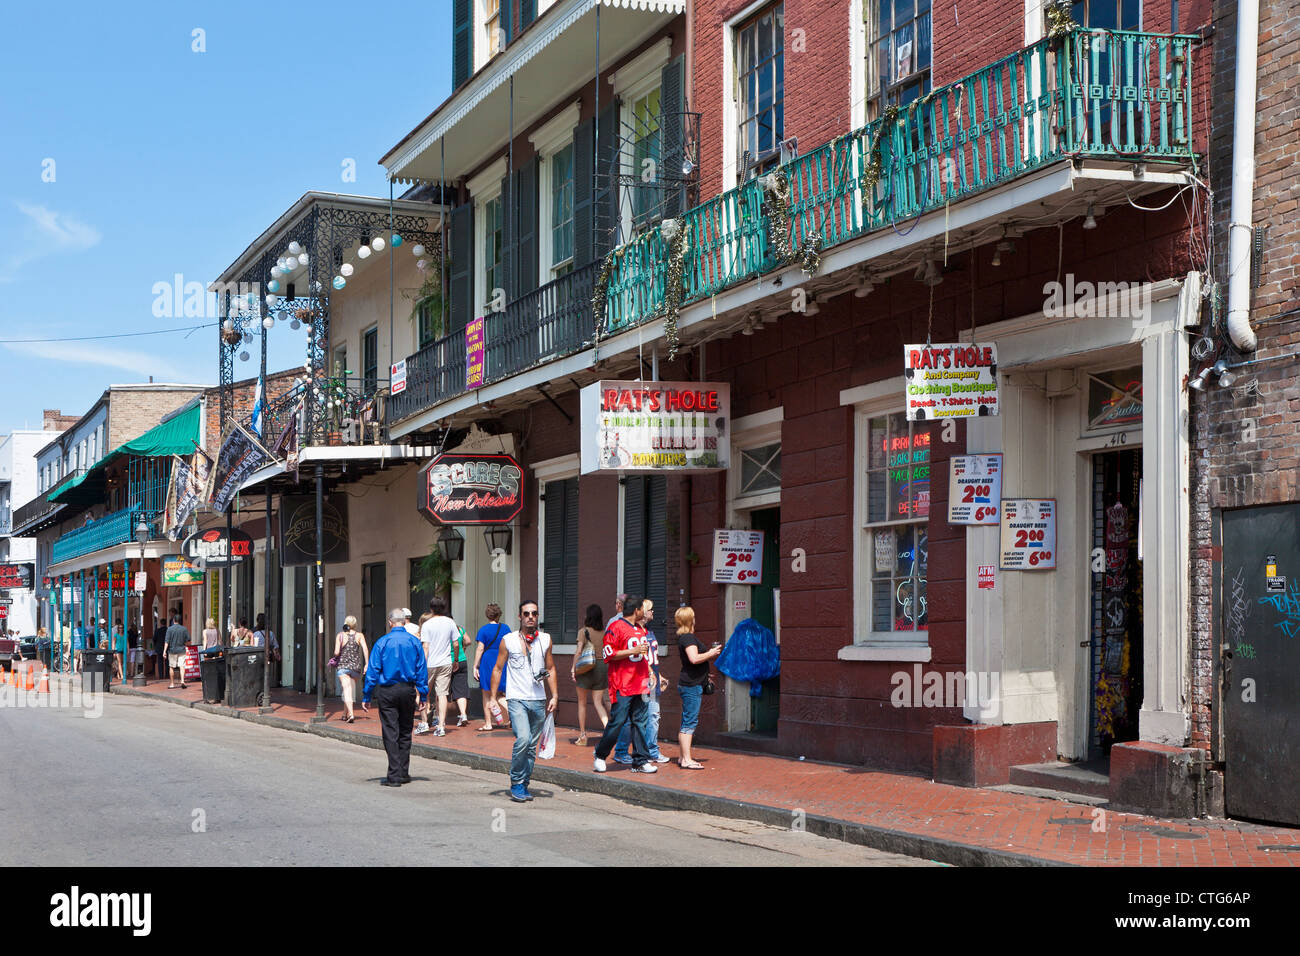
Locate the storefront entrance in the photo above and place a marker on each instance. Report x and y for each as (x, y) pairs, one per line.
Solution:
(1116, 601)
(765, 709)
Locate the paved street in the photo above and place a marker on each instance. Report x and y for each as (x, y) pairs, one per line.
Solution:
(134, 786)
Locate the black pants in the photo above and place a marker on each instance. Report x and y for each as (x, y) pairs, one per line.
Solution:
(396, 711)
(160, 659)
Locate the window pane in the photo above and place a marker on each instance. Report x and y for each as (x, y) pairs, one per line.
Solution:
(923, 42)
(1132, 15)
(765, 36)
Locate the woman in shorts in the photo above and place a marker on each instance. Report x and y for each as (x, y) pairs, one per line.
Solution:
(593, 683)
(690, 681)
(353, 656)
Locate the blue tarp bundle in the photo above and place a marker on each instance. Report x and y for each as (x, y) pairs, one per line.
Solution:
(751, 655)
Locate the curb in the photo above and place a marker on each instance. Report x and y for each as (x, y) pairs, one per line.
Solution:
(660, 798)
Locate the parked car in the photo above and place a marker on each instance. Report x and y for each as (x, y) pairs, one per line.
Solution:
(9, 652)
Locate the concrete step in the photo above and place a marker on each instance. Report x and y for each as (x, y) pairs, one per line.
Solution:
(1075, 798)
(1090, 779)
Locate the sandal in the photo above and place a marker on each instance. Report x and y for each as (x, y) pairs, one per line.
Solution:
(582, 740)
(488, 727)
(690, 766)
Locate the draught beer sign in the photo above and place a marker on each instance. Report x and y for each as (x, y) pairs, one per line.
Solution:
(1028, 539)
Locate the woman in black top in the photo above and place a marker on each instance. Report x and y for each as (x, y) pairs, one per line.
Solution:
(690, 682)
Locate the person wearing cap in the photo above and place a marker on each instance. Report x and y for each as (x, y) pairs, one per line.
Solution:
(396, 676)
(411, 627)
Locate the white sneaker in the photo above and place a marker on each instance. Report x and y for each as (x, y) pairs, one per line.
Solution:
(423, 728)
(440, 731)
(646, 768)
(599, 765)
(661, 759)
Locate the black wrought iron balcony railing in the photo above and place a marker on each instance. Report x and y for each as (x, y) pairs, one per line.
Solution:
(338, 411)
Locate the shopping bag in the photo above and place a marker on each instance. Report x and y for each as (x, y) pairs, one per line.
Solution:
(546, 743)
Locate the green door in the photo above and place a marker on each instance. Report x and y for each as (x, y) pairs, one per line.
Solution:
(765, 709)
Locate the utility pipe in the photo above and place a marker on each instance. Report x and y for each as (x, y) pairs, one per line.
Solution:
(1243, 177)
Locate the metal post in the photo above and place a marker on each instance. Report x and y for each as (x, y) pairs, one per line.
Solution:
(139, 679)
(112, 644)
(317, 588)
(228, 598)
(56, 604)
(82, 574)
(266, 628)
(126, 600)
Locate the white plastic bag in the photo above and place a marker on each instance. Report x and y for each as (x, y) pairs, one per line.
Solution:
(546, 743)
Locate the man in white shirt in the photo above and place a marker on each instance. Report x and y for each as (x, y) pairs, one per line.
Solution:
(436, 634)
(409, 625)
(530, 673)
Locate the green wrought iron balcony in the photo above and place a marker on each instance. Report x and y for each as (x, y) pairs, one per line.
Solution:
(115, 528)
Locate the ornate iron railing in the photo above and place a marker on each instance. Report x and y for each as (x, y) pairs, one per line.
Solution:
(1089, 94)
(115, 528)
(351, 412)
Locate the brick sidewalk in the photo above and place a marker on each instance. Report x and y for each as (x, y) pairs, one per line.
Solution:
(890, 811)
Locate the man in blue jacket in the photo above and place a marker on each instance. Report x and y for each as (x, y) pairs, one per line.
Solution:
(396, 673)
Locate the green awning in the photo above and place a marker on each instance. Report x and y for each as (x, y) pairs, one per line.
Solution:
(176, 436)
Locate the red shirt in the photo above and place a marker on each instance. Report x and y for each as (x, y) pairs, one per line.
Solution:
(629, 675)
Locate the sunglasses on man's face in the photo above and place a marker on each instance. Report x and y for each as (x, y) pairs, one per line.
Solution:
(528, 614)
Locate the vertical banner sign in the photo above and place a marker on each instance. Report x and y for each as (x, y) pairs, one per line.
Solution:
(475, 350)
(737, 557)
(397, 379)
(1028, 534)
(241, 454)
(950, 381)
(974, 489)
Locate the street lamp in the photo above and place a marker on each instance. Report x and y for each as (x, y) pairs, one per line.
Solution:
(137, 679)
(498, 536)
(452, 545)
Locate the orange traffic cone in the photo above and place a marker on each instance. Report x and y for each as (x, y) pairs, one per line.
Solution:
(31, 681)
(44, 687)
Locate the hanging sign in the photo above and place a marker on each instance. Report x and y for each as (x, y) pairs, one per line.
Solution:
(298, 529)
(177, 571)
(241, 454)
(1028, 540)
(141, 582)
(397, 378)
(17, 575)
(950, 381)
(213, 549)
(737, 557)
(974, 489)
(655, 426)
(471, 489)
(475, 354)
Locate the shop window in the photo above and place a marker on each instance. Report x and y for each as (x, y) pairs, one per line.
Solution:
(645, 541)
(560, 560)
(899, 51)
(760, 91)
(893, 544)
(1115, 398)
(760, 470)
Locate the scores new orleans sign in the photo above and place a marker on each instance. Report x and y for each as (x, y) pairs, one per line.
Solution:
(471, 489)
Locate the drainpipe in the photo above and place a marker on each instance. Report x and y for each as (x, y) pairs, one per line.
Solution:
(689, 64)
(1243, 177)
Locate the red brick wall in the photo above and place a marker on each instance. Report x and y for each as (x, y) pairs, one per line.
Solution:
(278, 384)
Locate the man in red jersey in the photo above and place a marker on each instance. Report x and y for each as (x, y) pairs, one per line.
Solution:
(627, 654)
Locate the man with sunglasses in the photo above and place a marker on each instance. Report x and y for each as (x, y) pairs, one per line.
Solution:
(526, 658)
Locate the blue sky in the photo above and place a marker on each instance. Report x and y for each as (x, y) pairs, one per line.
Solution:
(167, 160)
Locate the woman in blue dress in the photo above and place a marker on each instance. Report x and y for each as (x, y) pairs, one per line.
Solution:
(485, 661)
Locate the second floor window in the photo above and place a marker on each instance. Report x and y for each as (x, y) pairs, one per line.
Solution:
(428, 320)
(760, 90)
(492, 26)
(370, 361)
(899, 51)
(646, 156)
(562, 211)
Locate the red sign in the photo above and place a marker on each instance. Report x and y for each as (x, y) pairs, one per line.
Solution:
(471, 489)
(17, 575)
(986, 579)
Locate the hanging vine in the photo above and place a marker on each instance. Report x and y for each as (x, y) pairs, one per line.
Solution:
(600, 297)
(780, 224)
(1059, 22)
(675, 235)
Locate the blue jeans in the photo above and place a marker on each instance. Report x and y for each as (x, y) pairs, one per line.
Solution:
(527, 717)
(651, 734)
(627, 710)
(691, 698)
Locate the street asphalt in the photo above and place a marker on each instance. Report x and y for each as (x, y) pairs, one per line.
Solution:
(150, 784)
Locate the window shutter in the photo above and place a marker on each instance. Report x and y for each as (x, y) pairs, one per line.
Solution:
(656, 560)
(505, 22)
(462, 55)
(527, 13)
(526, 251)
(553, 572)
(584, 187)
(462, 266)
(509, 200)
(605, 213)
(634, 535)
(570, 630)
(672, 133)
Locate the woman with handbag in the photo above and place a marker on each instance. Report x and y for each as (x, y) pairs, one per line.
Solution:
(350, 657)
(485, 660)
(589, 670)
(693, 682)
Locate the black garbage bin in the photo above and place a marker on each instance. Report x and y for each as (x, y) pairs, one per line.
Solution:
(96, 669)
(244, 667)
(212, 669)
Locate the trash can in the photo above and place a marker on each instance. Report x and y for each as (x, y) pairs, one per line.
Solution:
(96, 670)
(212, 668)
(244, 668)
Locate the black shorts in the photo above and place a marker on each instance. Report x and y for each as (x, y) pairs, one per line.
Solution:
(459, 684)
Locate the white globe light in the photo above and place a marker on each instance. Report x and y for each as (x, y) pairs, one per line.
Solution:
(243, 356)
(271, 300)
(417, 250)
(378, 244)
(276, 271)
(268, 323)
(346, 269)
(302, 258)
(295, 248)
(291, 263)
(228, 325)
(363, 252)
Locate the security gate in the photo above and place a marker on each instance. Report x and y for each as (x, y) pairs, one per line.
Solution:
(1260, 655)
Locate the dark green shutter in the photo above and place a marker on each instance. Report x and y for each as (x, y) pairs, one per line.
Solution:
(605, 212)
(584, 187)
(462, 266)
(656, 557)
(526, 251)
(462, 47)
(634, 535)
(553, 571)
(505, 21)
(506, 271)
(672, 133)
(527, 13)
(570, 630)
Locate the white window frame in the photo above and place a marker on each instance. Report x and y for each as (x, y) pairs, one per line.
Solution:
(634, 80)
(868, 401)
(480, 39)
(552, 469)
(548, 139)
(483, 188)
(730, 168)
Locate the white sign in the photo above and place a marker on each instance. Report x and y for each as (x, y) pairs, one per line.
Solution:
(141, 581)
(974, 489)
(986, 578)
(950, 381)
(1028, 534)
(398, 377)
(737, 557)
(655, 426)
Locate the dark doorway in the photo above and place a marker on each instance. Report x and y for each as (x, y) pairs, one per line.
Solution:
(765, 709)
(1260, 653)
(1116, 659)
(374, 584)
(300, 629)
